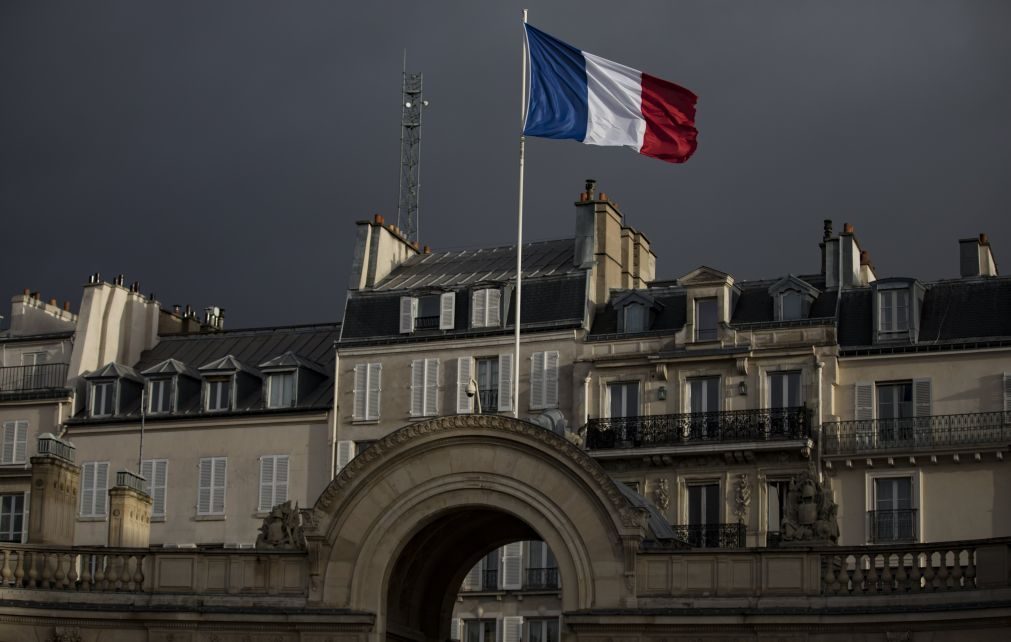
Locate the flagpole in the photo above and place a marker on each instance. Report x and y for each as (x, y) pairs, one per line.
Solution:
(519, 230)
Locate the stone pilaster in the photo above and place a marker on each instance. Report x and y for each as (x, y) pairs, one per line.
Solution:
(56, 481)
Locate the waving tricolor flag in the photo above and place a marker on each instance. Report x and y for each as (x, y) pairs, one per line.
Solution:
(574, 94)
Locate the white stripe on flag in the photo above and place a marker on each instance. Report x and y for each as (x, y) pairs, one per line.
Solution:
(614, 94)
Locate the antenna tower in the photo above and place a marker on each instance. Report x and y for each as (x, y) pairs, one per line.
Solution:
(411, 105)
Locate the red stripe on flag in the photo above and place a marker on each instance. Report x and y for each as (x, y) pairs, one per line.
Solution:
(669, 111)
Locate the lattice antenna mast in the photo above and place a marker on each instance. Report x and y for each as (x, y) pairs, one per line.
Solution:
(412, 104)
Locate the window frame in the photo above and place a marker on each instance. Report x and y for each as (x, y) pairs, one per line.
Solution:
(271, 377)
(20, 430)
(544, 379)
(711, 334)
(210, 512)
(226, 381)
(93, 513)
(634, 311)
(871, 498)
(274, 483)
(155, 490)
(371, 373)
(168, 394)
(109, 399)
(893, 294)
(15, 535)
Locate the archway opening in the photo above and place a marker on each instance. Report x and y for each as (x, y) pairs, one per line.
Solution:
(434, 566)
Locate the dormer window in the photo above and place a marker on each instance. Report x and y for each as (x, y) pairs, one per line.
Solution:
(486, 308)
(634, 317)
(897, 302)
(103, 398)
(428, 312)
(893, 311)
(791, 305)
(706, 319)
(281, 390)
(792, 298)
(219, 394)
(160, 396)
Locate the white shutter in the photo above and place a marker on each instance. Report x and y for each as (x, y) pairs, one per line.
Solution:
(1007, 391)
(204, 487)
(88, 488)
(361, 391)
(24, 517)
(266, 484)
(431, 387)
(493, 313)
(20, 442)
(375, 390)
(281, 480)
(155, 473)
(505, 382)
(408, 310)
(101, 487)
(464, 373)
(456, 629)
(417, 387)
(472, 582)
(9, 439)
(537, 380)
(345, 453)
(863, 401)
(218, 489)
(551, 379)
(512, 566)
(512, 628)
(478, 308)
(921, 398)
(447, 310)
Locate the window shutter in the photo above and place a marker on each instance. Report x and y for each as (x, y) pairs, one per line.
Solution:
(464, 373)
(478, 308)
(375, 390)
(417, 387)
(218, 494)
(88, 488)
(512, 566)
(472, 582)
(345, 453)
(361, 391)
(505, 382)
(154, 471)
(281, 480)
(431, 387)
(551, 378)
(147, 474)
(863, 400)
(24, 518)
(204, 487)
(9, 438)
(921, 398)
(1007, 391)
(408, 310)
(537, 380)
(456, 629)
(101, 487)
(512, 628)
(266, 484)
(493, 312)
(20, 441)
(447, 310)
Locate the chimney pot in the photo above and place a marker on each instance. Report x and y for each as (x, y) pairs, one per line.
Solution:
(865, 257)
(603, 196)
(378, 218)
(983, 240)
(36, 295)
(66, 306)
(828, 229)
(28, 292)
(847, 228)
(52, 301)
(591, 185)
(428, 250)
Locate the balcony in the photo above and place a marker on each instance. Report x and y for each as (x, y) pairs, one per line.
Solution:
(916, 433)
(891, 526)
(542, 578)
(712, 535)
(32, 381)
(770, 424)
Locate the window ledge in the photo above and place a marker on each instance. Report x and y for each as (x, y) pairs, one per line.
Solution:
(92, 518)
(364, 422)
(157, 518)
(208, 518)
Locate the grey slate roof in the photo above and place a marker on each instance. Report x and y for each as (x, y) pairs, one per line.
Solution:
(291, 360)
(172, 367)
(115, 370)
(228, 363)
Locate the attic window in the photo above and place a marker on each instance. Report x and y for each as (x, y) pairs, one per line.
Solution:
(485, 308)
(281, 390)
(219, 394)
(705, 319)
(634, 317)
(791, 305)
(429, 312)
(160, 396)
(103, 398)
(893, 311)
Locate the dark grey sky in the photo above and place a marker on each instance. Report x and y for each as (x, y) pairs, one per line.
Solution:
(220, 152)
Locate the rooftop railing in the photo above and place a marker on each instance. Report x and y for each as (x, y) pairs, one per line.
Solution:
(916, 433)
(46, 376)
(768, 424)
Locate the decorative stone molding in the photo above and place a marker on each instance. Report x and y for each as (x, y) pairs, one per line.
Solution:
(661, 494)
(742, 498)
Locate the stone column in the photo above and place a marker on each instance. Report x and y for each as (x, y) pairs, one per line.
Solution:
(56, 481)
(129, 512)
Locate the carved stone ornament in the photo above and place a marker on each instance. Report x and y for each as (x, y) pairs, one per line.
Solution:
(281, 529)
(810, 512)
(661, 493)
(742, 498)
(64, 634)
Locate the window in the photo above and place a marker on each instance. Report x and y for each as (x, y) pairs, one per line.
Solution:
(542, 630)
(34, 377)
(544, 380)
(704, 406)
(623, 399)
(479, 630)
(15, 442)
(485, 308)
(776, 493)
(281, 390)
(94, 488)
(705, 319)
(784, 393)
(893, 311)
(428, 313)
(893, 519)
(12, 517)
(273, 481)
(542, 568)
(704, 515)
(368, 385)
(155, 473)
(102, 393)
(487, 383)
(219, 394)
(792, 305)
(634, 317)
(424, 387)
(494, 379)
(895, 411)
(160, 397)
(346, 451)
(211, 489)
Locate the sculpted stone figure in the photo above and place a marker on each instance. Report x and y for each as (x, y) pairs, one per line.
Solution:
(810, 512)
(281, 529)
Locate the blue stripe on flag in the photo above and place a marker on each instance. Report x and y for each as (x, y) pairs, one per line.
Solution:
(558, 97)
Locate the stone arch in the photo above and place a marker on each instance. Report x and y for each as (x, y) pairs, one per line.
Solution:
(423, 504)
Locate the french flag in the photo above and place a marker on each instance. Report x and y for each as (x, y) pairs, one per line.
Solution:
(574, 94)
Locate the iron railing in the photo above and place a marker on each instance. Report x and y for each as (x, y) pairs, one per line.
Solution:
(489, 401)
(916, 433)
(769, 424)
(46, 376)
(712, 535)
(897, 525)
(489, 580)
(50, 444)
(426, 323)
(542, 578)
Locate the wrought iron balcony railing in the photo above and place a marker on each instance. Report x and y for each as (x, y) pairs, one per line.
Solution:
(916, 433)
(769, 424)
(542, 578)
(898, 525)
(46, 376)
(712, 535)
(489, 580)
(426, 323)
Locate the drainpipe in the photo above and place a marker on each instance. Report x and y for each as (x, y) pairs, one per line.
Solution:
(819, 365)
(336, 406)
(586, 400)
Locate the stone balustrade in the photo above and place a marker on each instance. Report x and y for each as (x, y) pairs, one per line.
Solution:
(78, 569)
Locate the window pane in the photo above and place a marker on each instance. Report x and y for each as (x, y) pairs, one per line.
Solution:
(487, 383)
(793, 306)
(635, 317)
(705, 319)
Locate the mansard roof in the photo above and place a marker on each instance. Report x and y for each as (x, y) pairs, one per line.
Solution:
(113, 370)
(228, 363)
(172, 367)
(290, 360)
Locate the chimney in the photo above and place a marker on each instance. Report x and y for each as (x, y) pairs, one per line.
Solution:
(843, 259)
(976, 257)
(379, 248)
(825, 237)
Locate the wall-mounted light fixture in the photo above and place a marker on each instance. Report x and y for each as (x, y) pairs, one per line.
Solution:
(661, 393)
(742, 387)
